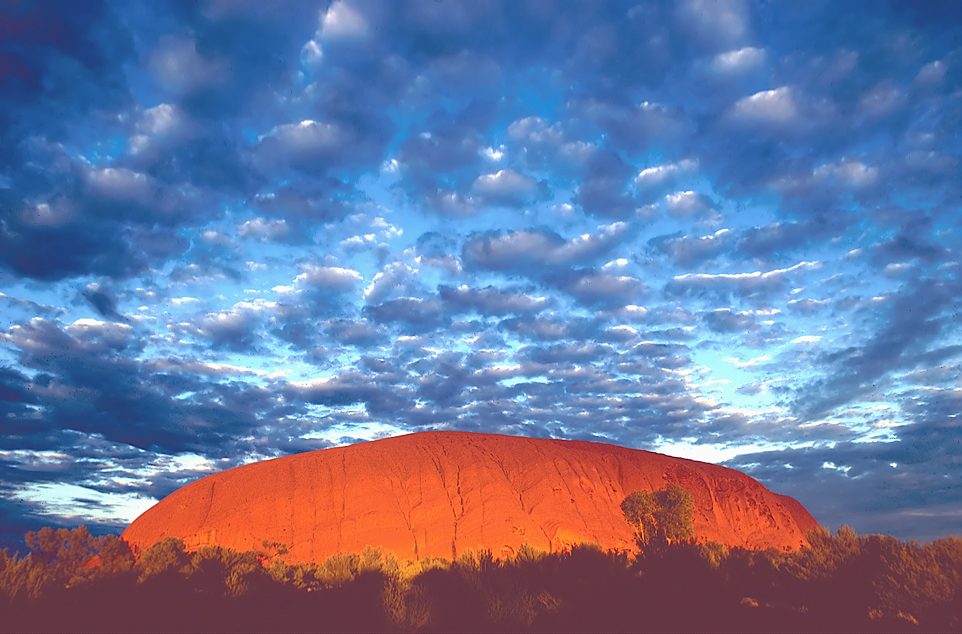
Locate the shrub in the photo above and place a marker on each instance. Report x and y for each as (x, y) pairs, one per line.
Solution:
(163, 558)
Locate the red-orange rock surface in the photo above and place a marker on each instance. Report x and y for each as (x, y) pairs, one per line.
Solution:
(439, 494)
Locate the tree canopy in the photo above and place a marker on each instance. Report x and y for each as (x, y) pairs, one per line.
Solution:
(666, 515)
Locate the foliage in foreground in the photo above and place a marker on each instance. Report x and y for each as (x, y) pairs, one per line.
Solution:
(846, 582)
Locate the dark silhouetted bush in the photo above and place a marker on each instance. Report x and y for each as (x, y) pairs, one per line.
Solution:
(847, 582)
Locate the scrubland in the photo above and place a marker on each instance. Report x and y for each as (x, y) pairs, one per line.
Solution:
(73, 581)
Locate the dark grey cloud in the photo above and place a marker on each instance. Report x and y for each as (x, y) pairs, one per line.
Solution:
(914, 241)
(603, 191)
(412, 314)
(780, 238)
(491, 301)
(854, 483)
(542, 254)
(88, 383)
(726, 320)
(102, 300)
(357, 333)
(919, 314)
(68, 218)
(599, 288)
(549, 327)
(688, 251)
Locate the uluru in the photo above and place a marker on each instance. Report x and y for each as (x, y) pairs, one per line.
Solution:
(443, 493)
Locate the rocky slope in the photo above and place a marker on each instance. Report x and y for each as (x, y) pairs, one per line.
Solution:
(439, 494)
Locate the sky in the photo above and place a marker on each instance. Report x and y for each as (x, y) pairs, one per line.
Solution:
(236, 230)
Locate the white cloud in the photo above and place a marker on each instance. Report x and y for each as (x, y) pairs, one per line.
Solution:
(689, 204)
(772, 106)
(342, 21)
(491, 154)
(504, 182)
(306, 139)
(311, 53)
(897, 269)
(121, 184)
(536, 130)
(163, 119)
(216, 237)
(743, 281)
(452, 203)
(738, 61)
(588, 244)
(262, 229)
(102, 329)
(738, 363)
(660, 174)
(931, 73)
(852, 173)
(328, 277)
(394, 277)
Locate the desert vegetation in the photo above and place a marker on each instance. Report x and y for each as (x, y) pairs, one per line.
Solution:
(843, 582)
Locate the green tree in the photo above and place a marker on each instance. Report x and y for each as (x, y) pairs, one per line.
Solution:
(164, 557)
(63, 551)
(666, 515)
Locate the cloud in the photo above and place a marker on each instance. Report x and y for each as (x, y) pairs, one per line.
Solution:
(841, 484)
(506, 187)
(689, 204)
(662, 175)
(726, 320)
(738, 61)
(89, 385)
(413, 314)
(102, 300)
(344, 389)
(768, 106)
(748, 285)
(329, 278)
(395, 279)
(357, 333)
(236, 328)
(647, 125)
(601, 289)
(261, 229)
(305, 144)
(520, 250)
(714, 24)
(690, 250)
(342, 21)
(112, 221)
(914, 321)
(490, 301)
(180, 68)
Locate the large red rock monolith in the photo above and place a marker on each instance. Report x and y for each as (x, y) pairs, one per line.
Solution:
(440, 494)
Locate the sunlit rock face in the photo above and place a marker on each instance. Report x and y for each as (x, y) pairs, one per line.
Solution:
(439, 494)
